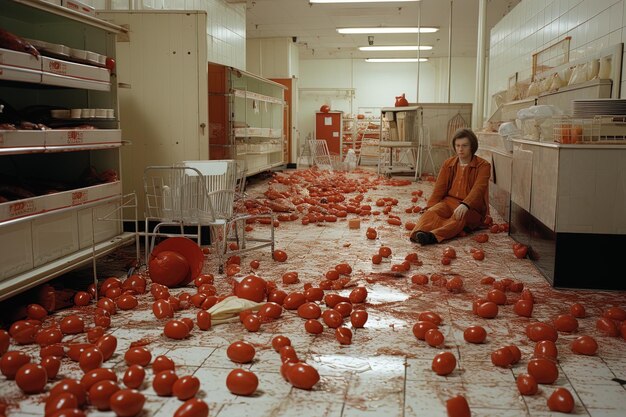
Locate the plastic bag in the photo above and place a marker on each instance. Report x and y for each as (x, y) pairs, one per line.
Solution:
(604, 73)
(556, 82)
(593, 68)
(533, 89)
(541, 111)
(579, 75)
(350, 160)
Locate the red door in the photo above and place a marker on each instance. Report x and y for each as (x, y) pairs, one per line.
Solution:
(328, 127)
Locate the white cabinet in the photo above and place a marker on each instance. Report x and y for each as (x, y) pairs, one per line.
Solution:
(162, 76)
(55, 184)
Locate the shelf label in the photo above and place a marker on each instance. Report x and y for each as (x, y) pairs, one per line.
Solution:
(80, 197)
(57, 67)
(74, 137)
(21, 208)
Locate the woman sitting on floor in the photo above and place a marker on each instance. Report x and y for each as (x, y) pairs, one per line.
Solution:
(460, 199)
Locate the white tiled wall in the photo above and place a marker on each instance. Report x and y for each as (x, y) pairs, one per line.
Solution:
(226, 24)
(536, 24)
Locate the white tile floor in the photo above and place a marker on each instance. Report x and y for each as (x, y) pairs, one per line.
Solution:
(385, 371)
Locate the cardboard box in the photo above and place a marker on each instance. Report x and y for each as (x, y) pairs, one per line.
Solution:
(80, 138)
(79, 7)
(22, 139)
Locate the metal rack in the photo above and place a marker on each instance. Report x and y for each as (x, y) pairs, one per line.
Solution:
(601, 129)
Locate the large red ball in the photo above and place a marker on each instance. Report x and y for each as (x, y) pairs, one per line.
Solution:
(252, 288)
(169, 268)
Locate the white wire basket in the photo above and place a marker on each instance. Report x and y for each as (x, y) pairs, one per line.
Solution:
(601, 129)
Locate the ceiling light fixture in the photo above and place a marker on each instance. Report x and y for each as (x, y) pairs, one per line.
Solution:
(396, 48)
(374, 30)
(395, 60)
(360, 1)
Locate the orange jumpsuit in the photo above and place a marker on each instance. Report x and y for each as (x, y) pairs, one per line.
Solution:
(456, 184)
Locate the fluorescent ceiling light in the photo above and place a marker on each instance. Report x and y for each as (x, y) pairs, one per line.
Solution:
(396, 48)
(359, 1)
(374, 30)
(395, 59)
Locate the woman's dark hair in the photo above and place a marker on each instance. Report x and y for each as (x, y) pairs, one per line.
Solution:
(466, 133)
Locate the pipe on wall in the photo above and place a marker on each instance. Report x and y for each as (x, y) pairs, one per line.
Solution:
(478, 110)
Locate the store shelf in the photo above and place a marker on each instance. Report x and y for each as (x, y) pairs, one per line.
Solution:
(20, 66)
(257, 132)
(256, 96)
(14, 142)
(14, 285)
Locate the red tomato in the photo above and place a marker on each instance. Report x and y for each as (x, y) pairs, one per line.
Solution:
(487, 310)
(279, 256)
(138, 355)
(252, 288)
(523, 308)
(434, 337)
(497, 296)
(502, 357)
(176, 329)
(566, 323)
(546, 348)
(384, 251)
(255, 264)
(94, 333)
(421, 327)
(314, 294)
(127, 402)
(280, 341)
(458, 407)
(615, 313)
(309, 311)
(168, 268)
(526, 384)
(72, 386)
(358, 318)
(74, 350)
(82, 298)
(577, 310)
(49, 336)
(24, 331)
(36, 312)
(52, 350)
(97, 375)
(419, 279)
(162, 363)
(517, 354)
(475, 334)
(344, 308)
(332, 318)
(544, 370)
(107, 345)
(252, 323)
(449, 252)
(541, 331)
(343, 269)
(607, 327)
(52, 365)
(126, 302)
(303, 376)
(186, 387)
(528, 295)
(343, 335)
(331, 300)
(481, 237)
(288, 353)
(478, 255)
(455, 285)
(431, 317)
(60, 402)
(443, 363)
(12, 361)
(561, 400)
(240, 352)
(100, 394)
(585, 345)
(313, 326)
(203, 318)
(134, 376)
(242, 382)
(31, 378)
(193, 407)
(277, 296)
(358, 295)
(487, 280)
(163, 382)
(445, 261)
(377, 259)
(294, 300)
(90, 359)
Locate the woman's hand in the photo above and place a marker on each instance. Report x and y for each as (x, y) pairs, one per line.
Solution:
(459, 212)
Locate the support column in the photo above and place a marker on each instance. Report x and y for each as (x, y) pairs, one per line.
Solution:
(479, 98)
